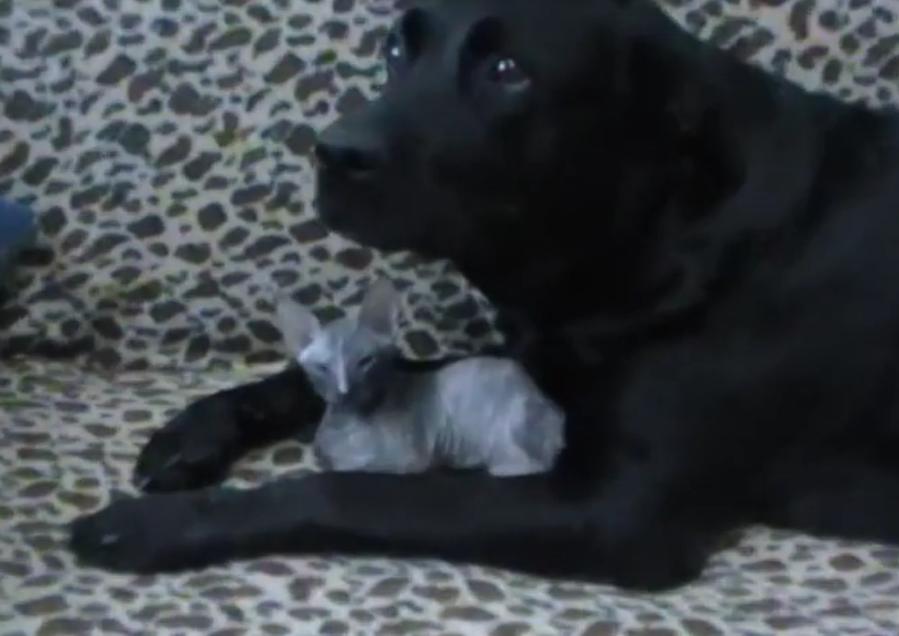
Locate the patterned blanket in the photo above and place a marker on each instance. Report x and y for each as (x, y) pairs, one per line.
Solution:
(164, 146)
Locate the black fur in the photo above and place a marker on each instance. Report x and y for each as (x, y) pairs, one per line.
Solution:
(698, 261)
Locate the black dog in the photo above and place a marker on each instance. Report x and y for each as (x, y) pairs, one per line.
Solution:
(698, 261)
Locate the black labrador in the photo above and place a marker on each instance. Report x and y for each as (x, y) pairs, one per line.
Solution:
(698, 261)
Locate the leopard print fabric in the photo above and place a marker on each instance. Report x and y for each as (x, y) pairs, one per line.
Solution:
(69, 441)
(165, 145)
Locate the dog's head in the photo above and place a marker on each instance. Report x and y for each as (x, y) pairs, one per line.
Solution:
(511, 126)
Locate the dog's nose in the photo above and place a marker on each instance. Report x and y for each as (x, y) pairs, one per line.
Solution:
(353, 155)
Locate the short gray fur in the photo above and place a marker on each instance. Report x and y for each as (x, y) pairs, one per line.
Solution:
(479, 412)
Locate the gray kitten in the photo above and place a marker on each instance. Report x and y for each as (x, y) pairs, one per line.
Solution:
(479, 412)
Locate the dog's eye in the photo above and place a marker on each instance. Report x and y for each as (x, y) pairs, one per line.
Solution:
(508, 73)
(394, 52)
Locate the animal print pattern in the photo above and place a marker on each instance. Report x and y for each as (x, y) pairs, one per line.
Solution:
(165, 145)
(68, 442)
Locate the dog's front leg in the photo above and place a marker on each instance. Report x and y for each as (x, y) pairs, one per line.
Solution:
(197, 447)
(516, 523)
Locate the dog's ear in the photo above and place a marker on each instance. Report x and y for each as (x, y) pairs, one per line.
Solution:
(657, 74)
(657, 85)
(381, 307)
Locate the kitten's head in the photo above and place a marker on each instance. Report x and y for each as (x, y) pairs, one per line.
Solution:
(349, 361)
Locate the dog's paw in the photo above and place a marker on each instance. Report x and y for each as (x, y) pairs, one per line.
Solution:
(144, 534)
(659, 574)
(657, 559)
(118, 537)
(193, 450)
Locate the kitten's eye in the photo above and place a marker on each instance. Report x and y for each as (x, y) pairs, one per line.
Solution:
(317, 368)
(366, 362)
(319, 371)
(507, 73)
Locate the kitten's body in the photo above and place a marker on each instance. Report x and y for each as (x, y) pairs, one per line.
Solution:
(480, 412)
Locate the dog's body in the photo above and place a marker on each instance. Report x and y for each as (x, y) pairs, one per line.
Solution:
(698, 262)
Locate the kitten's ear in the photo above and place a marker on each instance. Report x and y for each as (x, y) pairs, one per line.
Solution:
(298, 324)
(381, 307)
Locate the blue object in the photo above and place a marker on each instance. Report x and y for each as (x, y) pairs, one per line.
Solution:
(18, 230)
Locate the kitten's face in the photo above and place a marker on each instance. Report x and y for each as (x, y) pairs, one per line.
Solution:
(348, 363)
